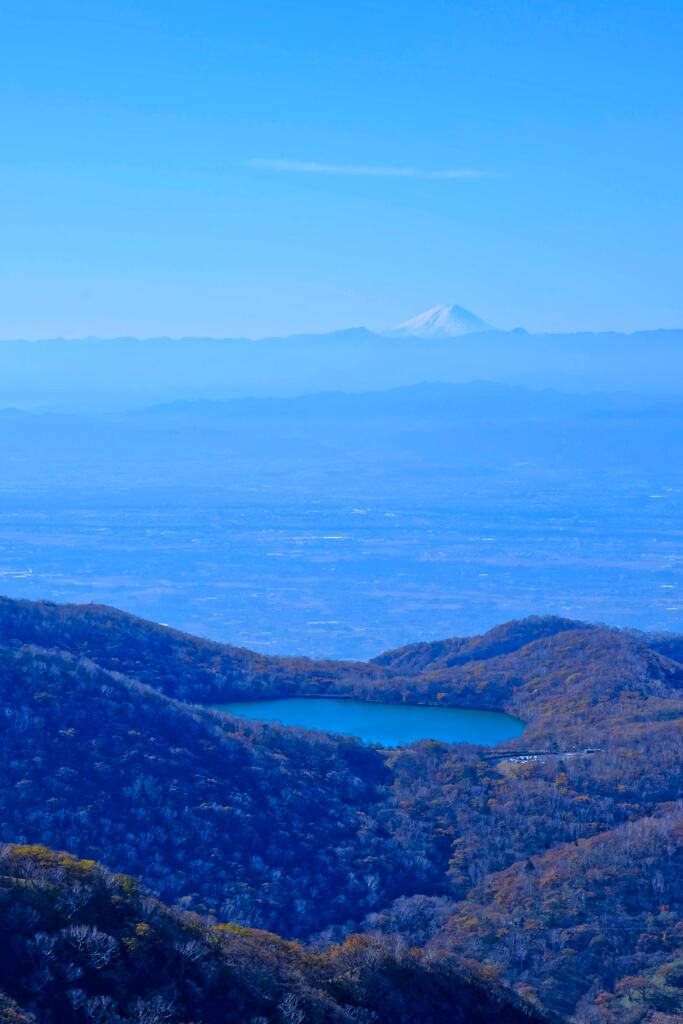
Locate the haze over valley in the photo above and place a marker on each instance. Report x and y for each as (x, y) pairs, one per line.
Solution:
(125, 374)
(341, 524)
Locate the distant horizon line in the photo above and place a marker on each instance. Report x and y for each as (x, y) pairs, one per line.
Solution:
(479, 385)
(382, 335)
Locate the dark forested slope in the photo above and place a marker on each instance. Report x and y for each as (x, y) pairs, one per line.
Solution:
(267, 825)
(487, 855)
(604, 909)
(81, 945)
(180, 665)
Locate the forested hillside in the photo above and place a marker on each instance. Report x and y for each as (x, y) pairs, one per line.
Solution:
(273, 827)
(608, 908)
(79, 944)
(551, 864)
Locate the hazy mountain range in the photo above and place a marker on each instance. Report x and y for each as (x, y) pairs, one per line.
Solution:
(447, 344)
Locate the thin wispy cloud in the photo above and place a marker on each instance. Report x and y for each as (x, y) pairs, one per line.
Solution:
(362, 170)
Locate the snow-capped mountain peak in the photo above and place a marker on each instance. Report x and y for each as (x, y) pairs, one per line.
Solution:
(441, 322)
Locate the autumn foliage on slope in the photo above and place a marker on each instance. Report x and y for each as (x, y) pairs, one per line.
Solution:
(81, 945)
(316, 836)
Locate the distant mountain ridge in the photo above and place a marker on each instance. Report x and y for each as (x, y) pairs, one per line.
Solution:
(474, 399)
(127, 373)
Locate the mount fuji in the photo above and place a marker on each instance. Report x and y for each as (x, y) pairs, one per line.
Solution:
(441, 322)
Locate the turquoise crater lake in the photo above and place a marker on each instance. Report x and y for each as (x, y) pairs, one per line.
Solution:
(390, 725)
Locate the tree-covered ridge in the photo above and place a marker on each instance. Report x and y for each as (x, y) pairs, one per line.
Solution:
(316, 836)
(564, 678)
(571, 689)
(81, 945)
(182, 666)
(271, 826)
(608, 908)
(442, 654)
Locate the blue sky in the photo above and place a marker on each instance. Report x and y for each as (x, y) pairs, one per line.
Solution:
(256, 168)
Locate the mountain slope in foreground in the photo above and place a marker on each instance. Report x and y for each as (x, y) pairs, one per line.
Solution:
(82, 945)
(551, 864)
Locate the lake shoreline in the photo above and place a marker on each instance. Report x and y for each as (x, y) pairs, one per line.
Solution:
(382, 723)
